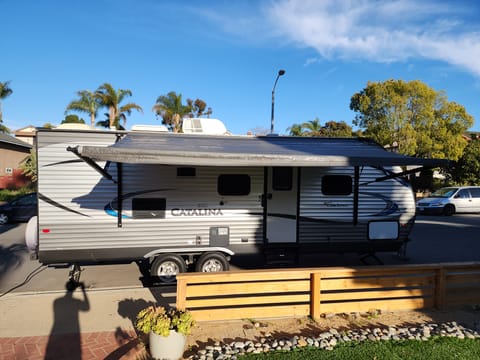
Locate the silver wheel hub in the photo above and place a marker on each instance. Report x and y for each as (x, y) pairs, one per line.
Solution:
(212, 265)
(168, 268)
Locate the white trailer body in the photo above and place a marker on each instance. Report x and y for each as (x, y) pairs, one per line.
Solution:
(107, 197)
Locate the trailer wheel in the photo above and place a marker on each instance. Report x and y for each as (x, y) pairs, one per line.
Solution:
(212, 262)
(165, 267)
(449, 210)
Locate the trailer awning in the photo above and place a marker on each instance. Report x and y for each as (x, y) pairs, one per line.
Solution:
(203, 150)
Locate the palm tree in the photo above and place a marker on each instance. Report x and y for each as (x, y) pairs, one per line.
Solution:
(87, 102)
(111, 99)
(5, 91)
(171, 109)
(296, 130)
(312, 127)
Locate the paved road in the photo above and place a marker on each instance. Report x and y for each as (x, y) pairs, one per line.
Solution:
(434, 239)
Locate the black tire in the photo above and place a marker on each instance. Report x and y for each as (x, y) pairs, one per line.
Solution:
(3, 219)
(166, 267)
(449, 210)
(212, 262)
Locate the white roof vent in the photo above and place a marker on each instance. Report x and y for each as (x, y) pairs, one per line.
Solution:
(204, 126)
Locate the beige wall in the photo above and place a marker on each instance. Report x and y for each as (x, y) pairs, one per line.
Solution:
(11, 157)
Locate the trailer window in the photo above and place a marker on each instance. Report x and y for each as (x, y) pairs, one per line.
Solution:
(337, 185)
(186, 171)
(149, 208)
(233, 185)
(282, 178)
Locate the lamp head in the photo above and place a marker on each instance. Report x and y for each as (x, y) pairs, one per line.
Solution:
(281, 72)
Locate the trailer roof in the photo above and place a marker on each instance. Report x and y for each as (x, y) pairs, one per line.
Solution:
(203, 150)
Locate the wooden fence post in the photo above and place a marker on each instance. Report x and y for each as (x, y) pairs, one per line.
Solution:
(440, 287)
(315, 298)
(181, 293)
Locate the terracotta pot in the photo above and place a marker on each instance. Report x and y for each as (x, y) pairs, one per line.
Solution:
(167, 347)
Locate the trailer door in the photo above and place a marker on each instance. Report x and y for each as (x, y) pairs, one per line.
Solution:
(282, 200)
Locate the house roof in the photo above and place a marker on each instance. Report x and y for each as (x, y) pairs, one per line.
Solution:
(204, 150)
(4, 138)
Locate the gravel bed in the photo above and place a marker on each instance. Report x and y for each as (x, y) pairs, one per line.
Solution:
(329, 339)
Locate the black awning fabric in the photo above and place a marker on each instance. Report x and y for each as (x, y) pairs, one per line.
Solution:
(204, 150)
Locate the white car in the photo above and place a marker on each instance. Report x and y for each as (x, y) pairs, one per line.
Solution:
(451, 200)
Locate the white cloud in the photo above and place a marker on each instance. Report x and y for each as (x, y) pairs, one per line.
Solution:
(380, 31)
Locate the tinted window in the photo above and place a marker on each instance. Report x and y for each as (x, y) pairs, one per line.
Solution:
(282, 178)
(475, 192)
(26, 200)
(337, 185)
(233, 185)
(463, 194)
(148, 208)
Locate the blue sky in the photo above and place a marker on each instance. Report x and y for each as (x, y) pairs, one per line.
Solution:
(228, 53)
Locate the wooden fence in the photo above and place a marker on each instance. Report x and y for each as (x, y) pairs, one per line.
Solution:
(279, 293)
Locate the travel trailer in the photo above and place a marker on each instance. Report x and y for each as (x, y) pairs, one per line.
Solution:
(172, 201)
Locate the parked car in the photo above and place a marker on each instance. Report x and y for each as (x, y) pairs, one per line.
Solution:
(20, 209)
(451, 200)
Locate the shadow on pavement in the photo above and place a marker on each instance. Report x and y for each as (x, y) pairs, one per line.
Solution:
(64, 341)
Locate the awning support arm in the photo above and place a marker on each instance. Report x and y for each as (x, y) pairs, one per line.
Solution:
(93, 164)
(356, 185)
(119, 195)
(400, 174)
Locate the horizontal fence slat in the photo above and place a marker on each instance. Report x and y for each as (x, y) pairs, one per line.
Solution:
(463, 300)
(248, 288)
(246, 275)
(252, 313)
(251, 300)
(464, 295)
(390, 305)
(471, 278)
(363, 295)
(270, 293)
(377, 282)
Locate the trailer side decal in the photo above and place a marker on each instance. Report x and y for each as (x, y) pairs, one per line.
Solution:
(58, 205)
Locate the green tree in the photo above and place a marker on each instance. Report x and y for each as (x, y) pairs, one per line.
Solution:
(106, 123)
(198, 108)
(87, 103)
(5, 91)
(110, 98)
(172, 111)
(29, 165)
(336, 129)
(315, 128)
(295, 130)
(312, 128)
(419, 119)
(69, 119)
(466, 171)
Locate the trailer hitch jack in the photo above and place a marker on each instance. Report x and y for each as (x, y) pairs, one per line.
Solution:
(74, 277)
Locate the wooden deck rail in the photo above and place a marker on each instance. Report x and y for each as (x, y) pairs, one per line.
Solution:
(313, 291)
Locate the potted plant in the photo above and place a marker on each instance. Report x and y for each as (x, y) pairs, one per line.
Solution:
(167, 330)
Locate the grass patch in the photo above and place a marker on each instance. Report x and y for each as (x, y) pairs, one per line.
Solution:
(440, 348)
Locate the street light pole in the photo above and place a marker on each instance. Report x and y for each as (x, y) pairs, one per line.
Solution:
(272, 120)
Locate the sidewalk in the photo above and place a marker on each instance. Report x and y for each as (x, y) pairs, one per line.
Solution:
(97, 324)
